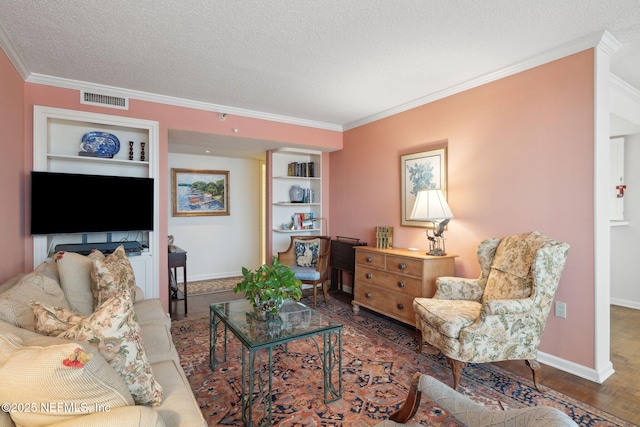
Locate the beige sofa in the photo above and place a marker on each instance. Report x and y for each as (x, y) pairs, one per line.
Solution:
(84, 389)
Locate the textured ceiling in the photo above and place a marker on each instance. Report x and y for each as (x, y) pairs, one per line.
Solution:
(334, 62)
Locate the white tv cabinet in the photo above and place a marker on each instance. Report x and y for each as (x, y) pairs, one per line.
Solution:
(57, 134)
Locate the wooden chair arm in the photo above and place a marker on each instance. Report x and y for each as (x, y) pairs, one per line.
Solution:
(323, 264)
(411, 404)
(287, 257)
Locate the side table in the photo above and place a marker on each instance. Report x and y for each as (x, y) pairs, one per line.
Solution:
(343, 258)
(177, 258)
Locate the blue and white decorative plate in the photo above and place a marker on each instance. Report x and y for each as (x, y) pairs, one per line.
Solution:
(103, 144)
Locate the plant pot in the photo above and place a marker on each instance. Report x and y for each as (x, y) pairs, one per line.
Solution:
(269, 306)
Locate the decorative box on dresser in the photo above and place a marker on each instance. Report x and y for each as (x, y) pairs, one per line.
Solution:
(387, 280)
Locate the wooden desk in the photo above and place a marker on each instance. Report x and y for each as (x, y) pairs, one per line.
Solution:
(177, 259)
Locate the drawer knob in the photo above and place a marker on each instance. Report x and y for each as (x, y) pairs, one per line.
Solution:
(369, 276)
(400, 306)
(369, 259)
(402, 266)
(368, 295)
(401, 284)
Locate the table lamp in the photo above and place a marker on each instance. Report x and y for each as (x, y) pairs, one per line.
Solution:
(431, 206)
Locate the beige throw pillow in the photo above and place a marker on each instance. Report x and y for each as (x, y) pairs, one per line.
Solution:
(113, 329)
(111, 276)
(75, 279)
(15, 303)
(70, 373)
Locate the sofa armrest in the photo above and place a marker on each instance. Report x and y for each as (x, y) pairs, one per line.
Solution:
(5, 420)
(131, 416)
(139, 294)
(458, 288)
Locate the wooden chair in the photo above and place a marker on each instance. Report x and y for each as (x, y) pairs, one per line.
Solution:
(308, 257)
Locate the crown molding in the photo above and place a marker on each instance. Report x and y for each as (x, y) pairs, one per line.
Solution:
(179, 102)
(13, 55)
(608, 43)
(554, 54)
(602, 40)
(624, 88)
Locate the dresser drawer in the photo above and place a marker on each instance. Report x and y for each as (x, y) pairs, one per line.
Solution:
(412, 267)
(388, 280)
(393, 304)
(394, 282)
(370, 259)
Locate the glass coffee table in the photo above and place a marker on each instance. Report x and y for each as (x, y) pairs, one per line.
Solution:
(260, 337)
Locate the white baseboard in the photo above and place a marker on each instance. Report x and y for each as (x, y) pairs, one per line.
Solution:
(200, 277)
(347, 289)
(625, 303)
(591, 374)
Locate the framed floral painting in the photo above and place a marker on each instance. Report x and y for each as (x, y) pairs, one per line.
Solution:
(199, 192)
(421, 171)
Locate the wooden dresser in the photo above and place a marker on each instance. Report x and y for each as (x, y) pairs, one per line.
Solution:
(387, 280)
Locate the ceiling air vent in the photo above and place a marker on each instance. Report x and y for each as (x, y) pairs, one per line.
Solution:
(101, 100)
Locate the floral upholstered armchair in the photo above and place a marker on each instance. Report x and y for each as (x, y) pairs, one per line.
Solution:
(500, 315)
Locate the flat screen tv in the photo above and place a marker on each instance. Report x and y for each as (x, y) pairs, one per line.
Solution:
(64, 203)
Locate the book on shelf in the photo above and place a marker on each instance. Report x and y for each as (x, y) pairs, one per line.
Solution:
(308, 196)
(303, 220)
(301, 169)
(384, 237)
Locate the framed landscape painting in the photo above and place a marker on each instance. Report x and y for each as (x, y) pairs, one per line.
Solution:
(421, 171)
(199, 192)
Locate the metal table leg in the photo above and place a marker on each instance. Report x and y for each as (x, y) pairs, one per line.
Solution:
(255, 393)
(213, 340)
(332, 354)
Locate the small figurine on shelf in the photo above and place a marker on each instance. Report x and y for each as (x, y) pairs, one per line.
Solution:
(142, 151)
(130, 150)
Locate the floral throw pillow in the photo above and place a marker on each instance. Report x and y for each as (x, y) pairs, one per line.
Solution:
(111, 276)
(307, 252)
(112, 328)
(52, 321)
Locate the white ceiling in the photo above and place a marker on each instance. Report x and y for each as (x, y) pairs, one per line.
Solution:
(329, 63)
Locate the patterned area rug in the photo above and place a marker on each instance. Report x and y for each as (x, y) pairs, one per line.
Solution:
(211, 286)
(378, 360)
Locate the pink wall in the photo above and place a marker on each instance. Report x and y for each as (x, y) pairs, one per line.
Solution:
(169, 117)
(12, 171)
(520, 158)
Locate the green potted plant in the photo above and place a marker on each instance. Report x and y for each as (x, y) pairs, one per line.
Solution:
(269, 286)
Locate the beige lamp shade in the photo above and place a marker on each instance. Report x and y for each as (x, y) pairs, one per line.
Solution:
(430, 205)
